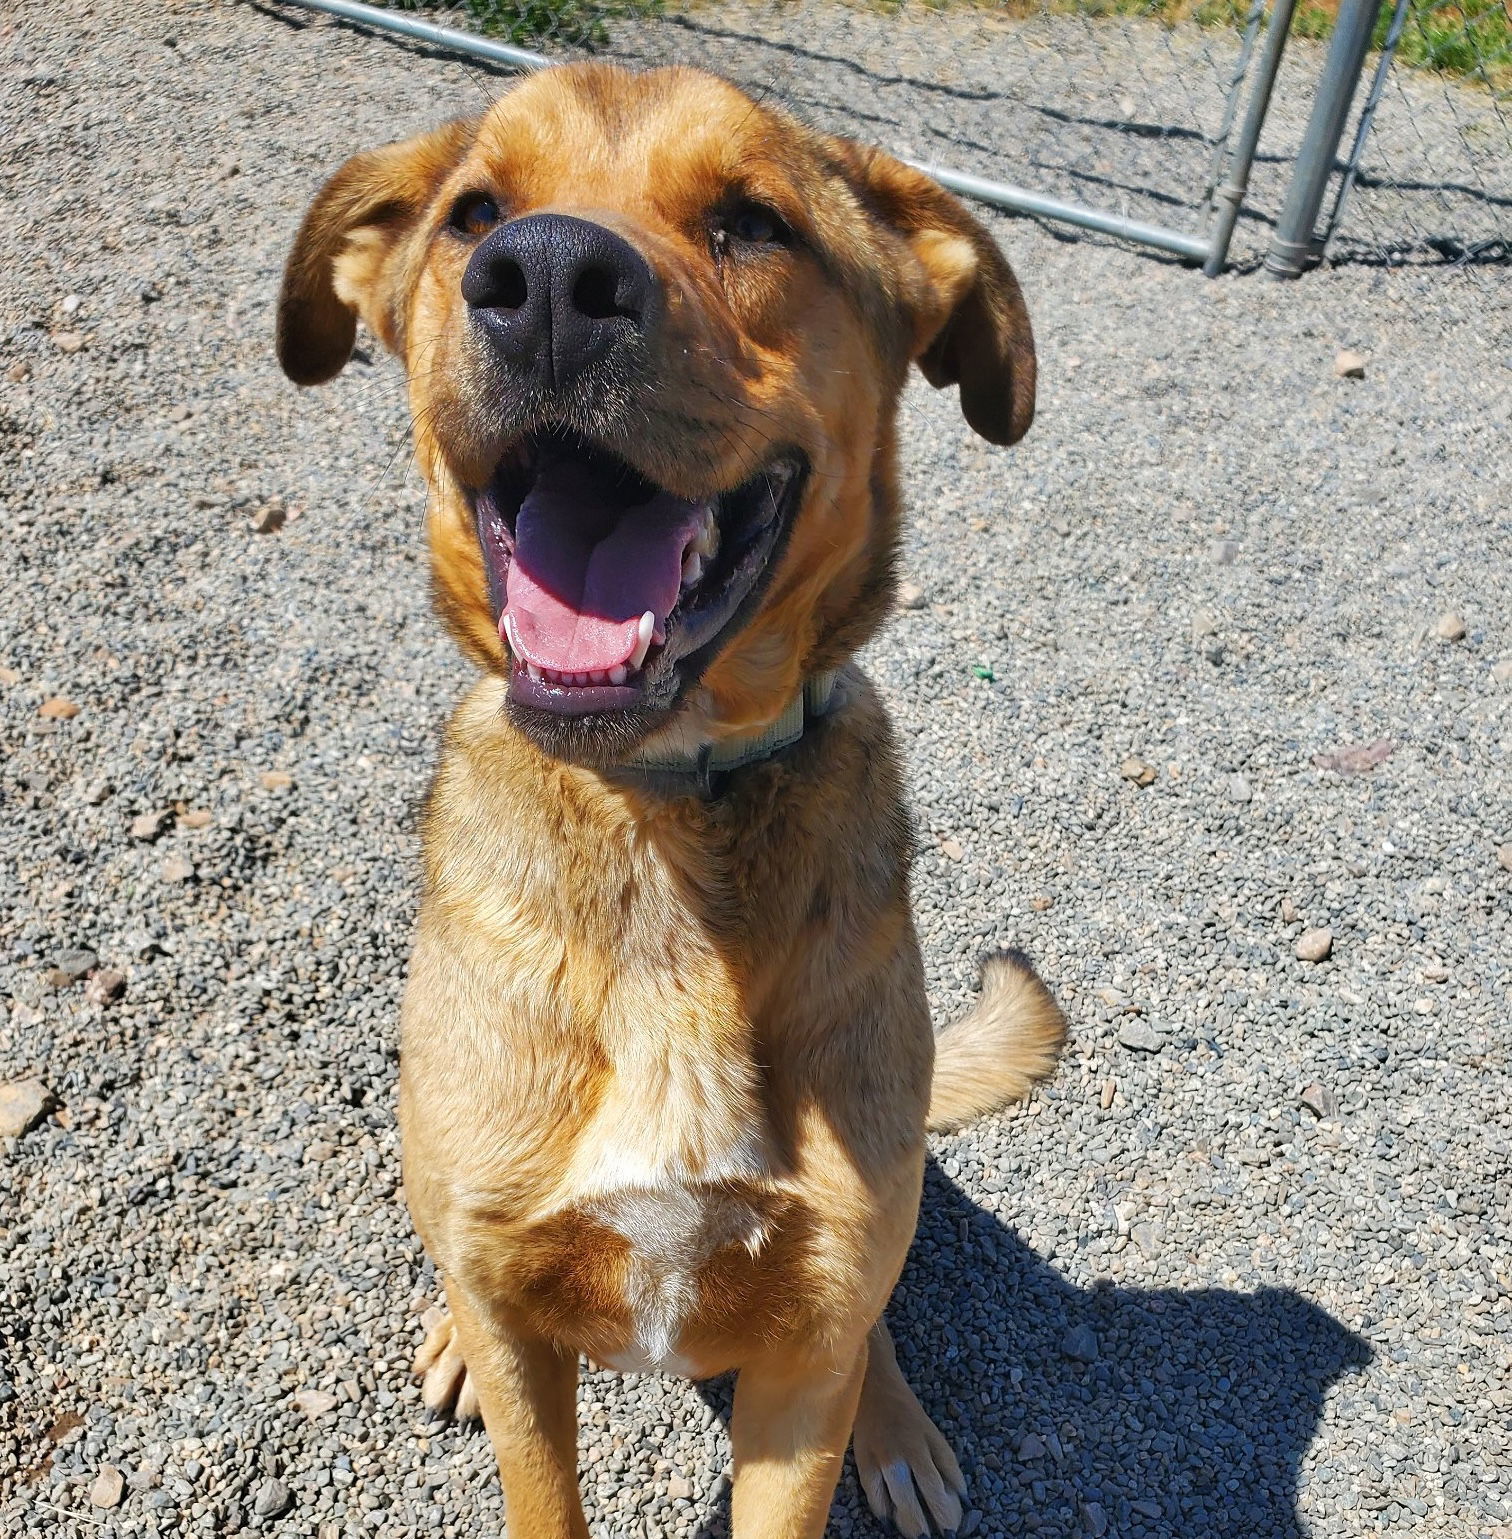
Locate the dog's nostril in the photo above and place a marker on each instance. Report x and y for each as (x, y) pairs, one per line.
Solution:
(510, 289)
(594, 294)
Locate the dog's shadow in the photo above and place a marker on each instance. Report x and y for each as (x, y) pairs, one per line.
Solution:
(1191, 1418)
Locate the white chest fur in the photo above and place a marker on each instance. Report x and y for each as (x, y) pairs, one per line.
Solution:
(661, 1163)
(672, 1232)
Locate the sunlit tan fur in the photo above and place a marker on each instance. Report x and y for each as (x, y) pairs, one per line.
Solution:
(998, 1050)
(667, 1062)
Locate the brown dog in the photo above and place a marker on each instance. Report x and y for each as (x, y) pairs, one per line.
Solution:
(667, 1058)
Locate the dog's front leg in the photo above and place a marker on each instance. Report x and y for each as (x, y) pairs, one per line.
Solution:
(527, 1392)
(790, 1428)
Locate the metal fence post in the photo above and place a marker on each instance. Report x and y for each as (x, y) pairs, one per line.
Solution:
(1362, 130)
(1295, 246)
(1228, 194)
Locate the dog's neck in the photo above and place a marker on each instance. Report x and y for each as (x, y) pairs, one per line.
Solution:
(703, 770)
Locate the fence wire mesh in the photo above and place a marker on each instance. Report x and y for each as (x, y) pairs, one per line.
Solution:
(1433, 182)
(1123, 106)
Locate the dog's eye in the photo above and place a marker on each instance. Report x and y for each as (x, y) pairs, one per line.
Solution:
(754, 225)
(474, 213)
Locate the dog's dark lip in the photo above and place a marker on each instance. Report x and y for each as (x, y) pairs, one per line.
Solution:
(753, 519)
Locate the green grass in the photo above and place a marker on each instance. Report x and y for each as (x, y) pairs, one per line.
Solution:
(1470, 39)
(577, 23)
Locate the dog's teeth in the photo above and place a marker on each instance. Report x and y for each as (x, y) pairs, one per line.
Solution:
(643, 639)
(533, 671)
(706, 541)
(617, 674)
(692, 568)
(509, 634)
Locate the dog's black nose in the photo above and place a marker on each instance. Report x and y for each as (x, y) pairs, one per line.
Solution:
(554, 294)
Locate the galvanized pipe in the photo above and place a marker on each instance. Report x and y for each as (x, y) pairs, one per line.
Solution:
(1228, 197)
(427, 32)
(1295, 246)
(1231, 101)
(1021, 201)
(1367, 117)
(1001, 194)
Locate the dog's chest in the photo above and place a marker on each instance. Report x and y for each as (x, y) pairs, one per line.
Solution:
(673, 1234)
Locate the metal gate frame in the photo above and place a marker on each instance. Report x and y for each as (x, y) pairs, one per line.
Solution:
(1295, 247)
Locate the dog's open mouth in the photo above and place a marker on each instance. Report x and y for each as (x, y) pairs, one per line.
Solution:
(603, 582)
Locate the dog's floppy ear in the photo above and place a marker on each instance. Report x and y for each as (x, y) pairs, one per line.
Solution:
(971, 325)
(342, 263)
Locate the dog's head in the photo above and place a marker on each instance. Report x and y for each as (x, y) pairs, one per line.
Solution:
(655, 334)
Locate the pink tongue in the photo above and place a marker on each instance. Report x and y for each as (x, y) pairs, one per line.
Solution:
(586, 569)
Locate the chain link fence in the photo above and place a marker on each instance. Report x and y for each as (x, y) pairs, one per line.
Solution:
(1429, 176)
(1181, 124)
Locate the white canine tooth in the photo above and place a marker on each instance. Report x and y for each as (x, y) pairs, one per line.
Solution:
(533, 671)
(509, 634)
(692, 568)
(617, 674)
(643, 638)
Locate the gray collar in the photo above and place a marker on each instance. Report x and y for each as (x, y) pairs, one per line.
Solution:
(706, 772)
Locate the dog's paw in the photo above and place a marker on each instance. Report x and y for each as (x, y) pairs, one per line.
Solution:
(907, 1469)
(446, 1386)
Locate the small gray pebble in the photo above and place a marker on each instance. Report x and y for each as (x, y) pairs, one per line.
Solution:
(76, 962)
(273, 1499)
(1138, 1034)
(1080, 1344)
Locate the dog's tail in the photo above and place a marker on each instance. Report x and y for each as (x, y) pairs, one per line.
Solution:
(1006, 1043)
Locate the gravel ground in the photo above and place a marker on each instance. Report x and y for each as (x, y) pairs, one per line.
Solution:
(1241, 1270)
